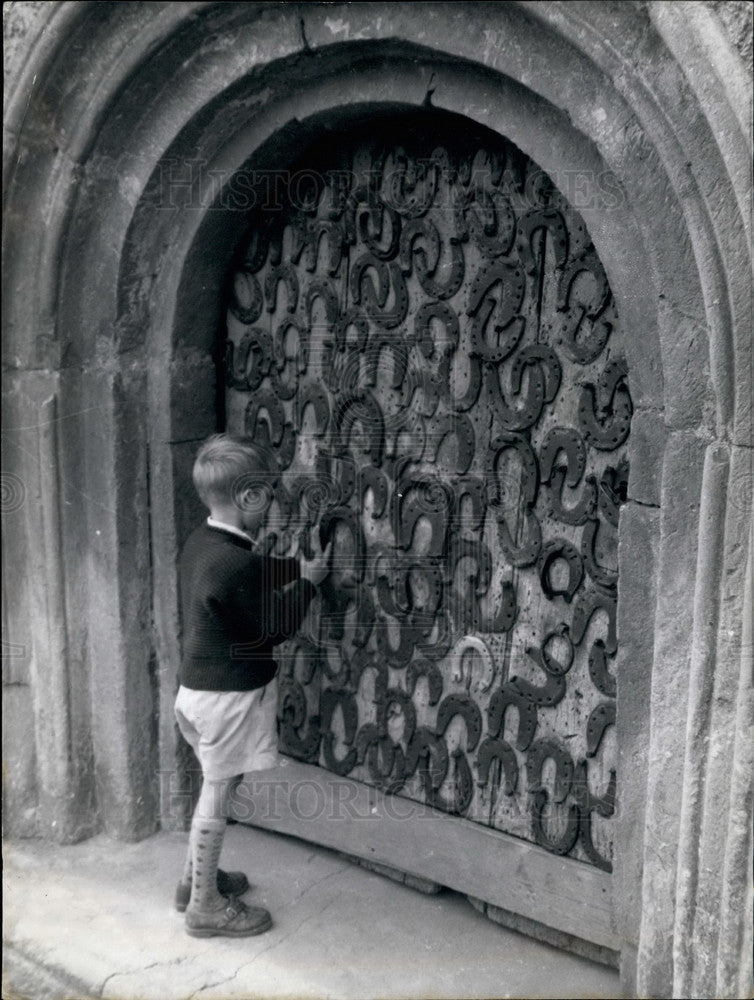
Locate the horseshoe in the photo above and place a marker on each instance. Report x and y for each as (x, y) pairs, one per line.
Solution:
(493, 233)
(329, 700)
(440, 647)
(529, 468)
(257, 344)
(588, 603)
(473, 643)
(547, 661)
(246, 300)
(256, 252)
(368, 661)
(588, 262)
(505, 617)
(444, 163)
(333, 233)
(394, 696)
(515, 418)
(335, 193)
(589, 803)
(608, 432)
(497, 749)
(391, 757)
(368, 735)
(265, 401)
(337, 470)
(370, 236)
(458, 425)
(433, 580)
(286, 274)
(321, 289)
(364, 195)
(547, 360)
(526, 552)
(293, 713)
(570, 441)
(565, 843)
(613, 491)
(287, 390)
(429, 386)
(599, 719)
(513, 282)
(463, 786)
(585, 508)
(519, 418)
(466, 548)
(549, 694)
(602, 679)
(335, 603)
(396, 607)
(460, 403)
(474, 488)
(429, 254)
(423, 330)
(397, 657)
(504, 698)
(538, 753)
(298, 228)
(375, 480)
(435, 502)
(426, 745)
(397, 346)
(424, 668)
(376, 296)
(359, 405)
(403, 185)
(549, 219)
(365, 618)
(345, 515)
(458, 704)
(447, 289)
(312, 394)
(560, 548)
(602, 577)
(581, 348)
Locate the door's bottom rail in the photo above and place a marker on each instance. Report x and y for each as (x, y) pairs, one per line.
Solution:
(506, 873)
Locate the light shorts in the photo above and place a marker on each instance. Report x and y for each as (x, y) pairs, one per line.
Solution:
(231, 732)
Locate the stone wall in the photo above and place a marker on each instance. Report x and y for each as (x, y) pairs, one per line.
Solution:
(115, 259)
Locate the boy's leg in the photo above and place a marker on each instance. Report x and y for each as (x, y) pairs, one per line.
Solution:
(206, 841)
(228, 883)
(209, 912)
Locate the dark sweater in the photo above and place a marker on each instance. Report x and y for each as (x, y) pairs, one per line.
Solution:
(234, 611)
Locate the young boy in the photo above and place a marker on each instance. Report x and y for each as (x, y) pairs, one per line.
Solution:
(236, 605)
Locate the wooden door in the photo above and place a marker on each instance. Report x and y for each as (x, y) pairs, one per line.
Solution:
(421, 329)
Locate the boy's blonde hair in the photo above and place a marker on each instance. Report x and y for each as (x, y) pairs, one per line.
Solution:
(225, 463)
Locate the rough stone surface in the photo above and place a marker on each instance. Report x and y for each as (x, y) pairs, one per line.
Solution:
(339, 931)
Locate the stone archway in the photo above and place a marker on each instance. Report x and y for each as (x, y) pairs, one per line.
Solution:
(112, 322)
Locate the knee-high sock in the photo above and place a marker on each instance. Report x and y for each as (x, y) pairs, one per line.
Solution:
(188, 863)
(206, 842)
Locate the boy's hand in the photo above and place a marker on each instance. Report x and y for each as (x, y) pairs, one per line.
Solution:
(316, 568)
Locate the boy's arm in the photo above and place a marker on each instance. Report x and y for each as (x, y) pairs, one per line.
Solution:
(259, 613)
(281, 572)
(286, 609)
